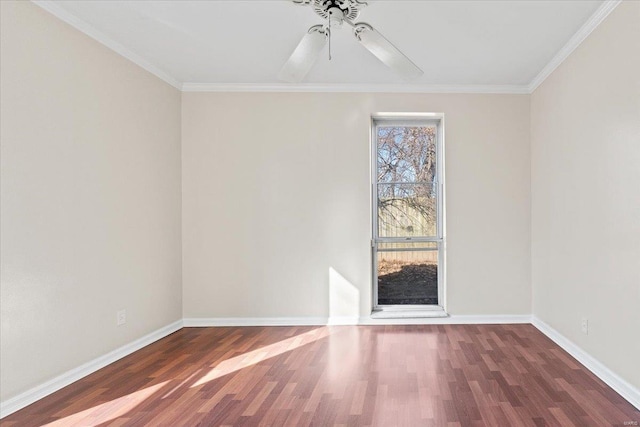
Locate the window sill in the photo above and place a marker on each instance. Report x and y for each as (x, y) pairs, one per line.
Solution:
(408, 313)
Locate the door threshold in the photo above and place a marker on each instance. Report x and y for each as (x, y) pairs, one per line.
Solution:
(408, 313)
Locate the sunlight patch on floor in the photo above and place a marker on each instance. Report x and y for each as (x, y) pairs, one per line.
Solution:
(256, 356)
(109, 410)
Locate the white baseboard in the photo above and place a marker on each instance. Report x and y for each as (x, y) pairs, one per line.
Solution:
(320, 321)
(623, 388)
(30, 396)
(204, 322)
(453, 319)
(343, 320)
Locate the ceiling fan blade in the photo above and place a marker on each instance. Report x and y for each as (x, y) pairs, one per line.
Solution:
(304, 55)
(385, 51)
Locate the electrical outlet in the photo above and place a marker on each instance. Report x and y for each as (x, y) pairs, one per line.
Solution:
(121, 317)
(585, 326)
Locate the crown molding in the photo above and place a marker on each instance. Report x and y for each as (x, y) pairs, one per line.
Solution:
(340, 87)
(596, 19)
(86, 28)
(599, 15)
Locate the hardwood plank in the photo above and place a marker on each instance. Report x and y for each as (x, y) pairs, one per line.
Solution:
(427, 375)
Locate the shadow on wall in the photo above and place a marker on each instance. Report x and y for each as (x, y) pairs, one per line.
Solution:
(344, 300)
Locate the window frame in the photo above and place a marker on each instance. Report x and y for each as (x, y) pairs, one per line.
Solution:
(413, 120)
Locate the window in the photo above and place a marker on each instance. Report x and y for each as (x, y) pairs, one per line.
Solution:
(407, 213)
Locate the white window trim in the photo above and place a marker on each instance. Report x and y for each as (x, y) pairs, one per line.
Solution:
(407, 310)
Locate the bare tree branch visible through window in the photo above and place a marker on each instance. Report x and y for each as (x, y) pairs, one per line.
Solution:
(406, 181)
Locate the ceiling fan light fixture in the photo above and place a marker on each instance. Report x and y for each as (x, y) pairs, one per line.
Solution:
(337, 12)
(336, 17)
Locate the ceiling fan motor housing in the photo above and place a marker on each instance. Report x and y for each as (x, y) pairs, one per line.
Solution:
(338, 9)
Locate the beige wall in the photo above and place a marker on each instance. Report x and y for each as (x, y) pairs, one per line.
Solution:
(276, 202)
(586, 194)
(276, 199)
(90, 217)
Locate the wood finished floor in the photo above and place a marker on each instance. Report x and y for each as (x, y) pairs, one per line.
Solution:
(431, 375)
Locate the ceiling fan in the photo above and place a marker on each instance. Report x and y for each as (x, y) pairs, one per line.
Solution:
(337, 12)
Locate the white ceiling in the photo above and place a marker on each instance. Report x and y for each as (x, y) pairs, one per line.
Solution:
(487, 43)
